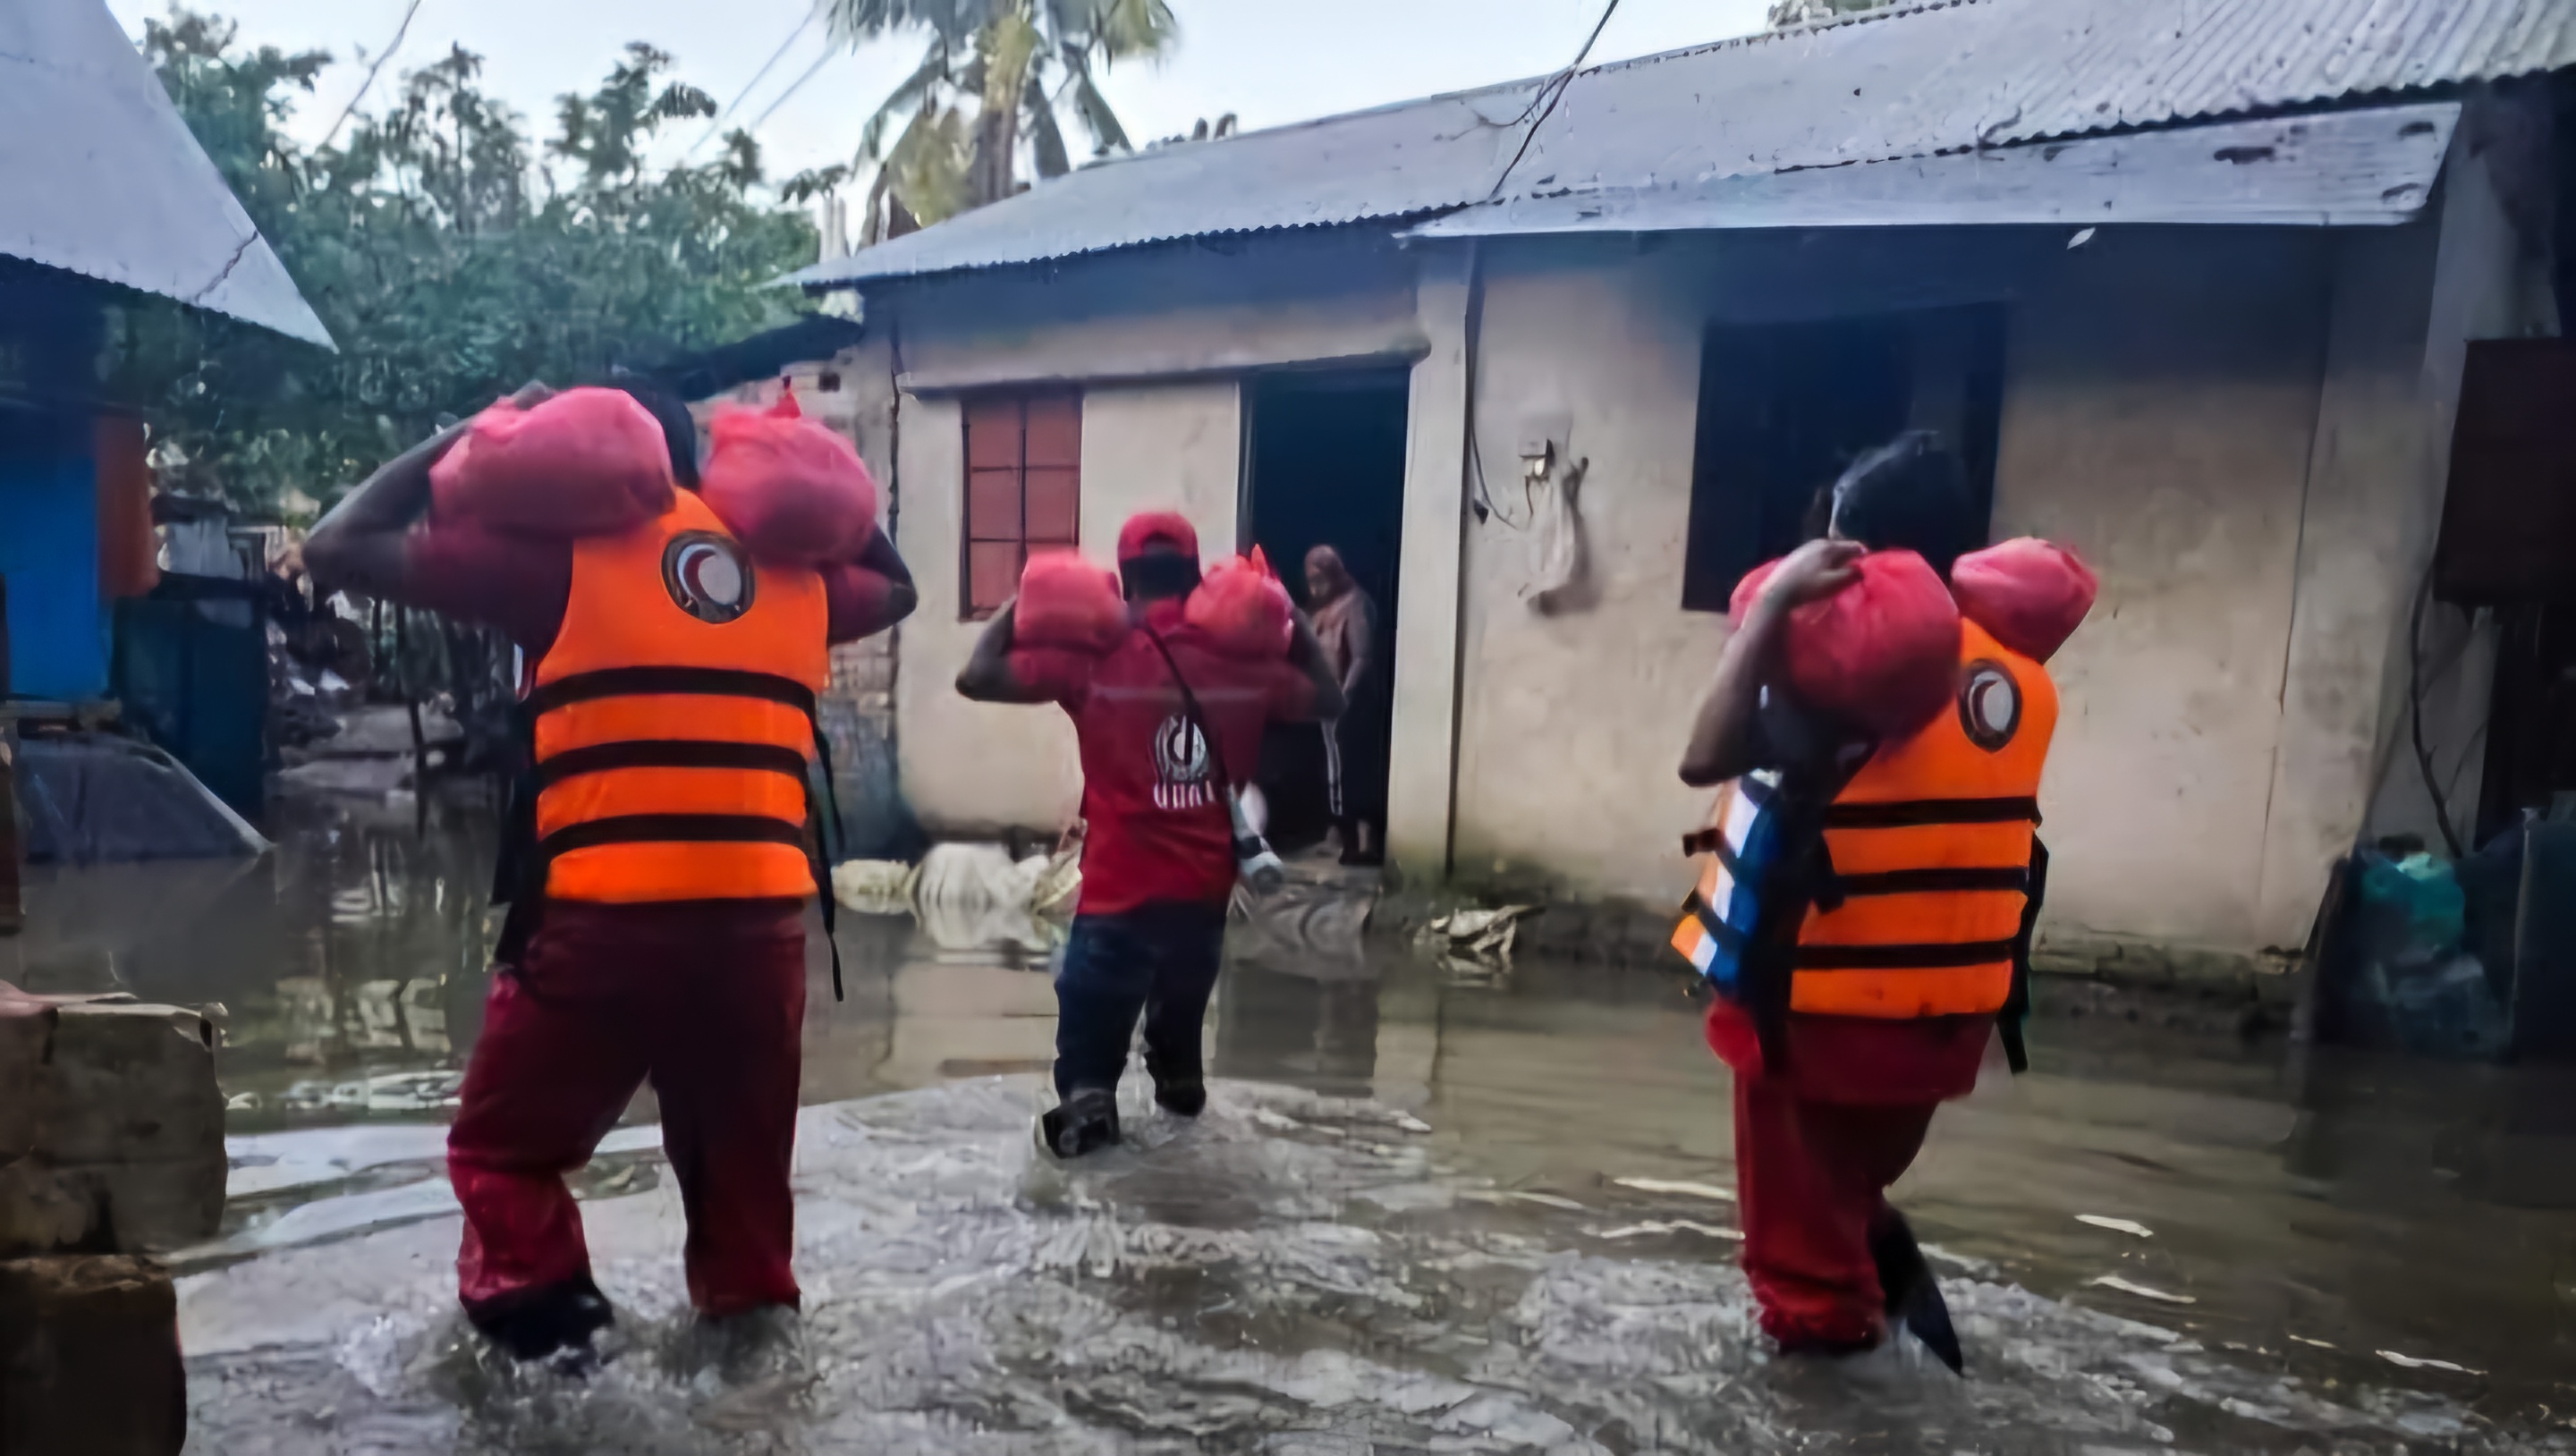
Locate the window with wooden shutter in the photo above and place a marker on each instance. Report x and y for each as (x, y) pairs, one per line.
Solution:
(1023, 489)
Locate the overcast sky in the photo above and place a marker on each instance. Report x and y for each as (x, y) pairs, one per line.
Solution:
(1268, 61)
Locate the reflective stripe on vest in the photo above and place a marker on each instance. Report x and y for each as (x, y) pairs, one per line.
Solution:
(1719, 918)
(1931, 847)
(674, 718)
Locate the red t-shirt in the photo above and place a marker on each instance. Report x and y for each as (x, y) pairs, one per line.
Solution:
(1157, 827)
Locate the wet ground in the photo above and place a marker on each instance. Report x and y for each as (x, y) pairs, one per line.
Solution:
(1429, 1211)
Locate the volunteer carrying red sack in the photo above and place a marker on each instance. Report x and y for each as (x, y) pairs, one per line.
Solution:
(1870, 873)
(675, 641)
(1168, 693)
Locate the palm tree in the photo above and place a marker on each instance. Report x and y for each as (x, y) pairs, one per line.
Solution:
(1016, 61)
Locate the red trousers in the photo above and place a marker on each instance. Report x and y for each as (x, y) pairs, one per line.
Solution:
(706, 1001)
(1813, 1180)
(1818, 1141)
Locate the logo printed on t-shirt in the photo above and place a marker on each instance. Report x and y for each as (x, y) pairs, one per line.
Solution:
(1181, 765)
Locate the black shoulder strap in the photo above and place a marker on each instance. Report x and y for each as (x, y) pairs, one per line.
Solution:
(1190, 705)
(2016, 1011)
(1803, 877)
(823, 808)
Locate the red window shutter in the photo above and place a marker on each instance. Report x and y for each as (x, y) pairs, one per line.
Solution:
(993, 505)
(1054, 510)
(993, 433)
(992, 574)
(1023, 487)
(1055, 431)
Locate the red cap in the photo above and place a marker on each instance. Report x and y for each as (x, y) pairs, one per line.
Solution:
(1146, 527)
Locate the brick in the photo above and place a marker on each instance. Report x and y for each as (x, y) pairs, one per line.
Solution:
(876, 676)
(111, 1127)
(89, 1358)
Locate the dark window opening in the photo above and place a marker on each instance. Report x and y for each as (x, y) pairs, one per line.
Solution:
(1023, 490)
(828, 382)
(1783, 408)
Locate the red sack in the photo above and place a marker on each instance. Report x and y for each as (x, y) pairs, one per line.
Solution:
(790, 489)
(2030, 594)
(1241, 604)
(588, 462)
(1066, 601)
(1748, 589)
(1882, 653)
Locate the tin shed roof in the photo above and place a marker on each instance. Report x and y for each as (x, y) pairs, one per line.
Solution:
(99, 175)
(1937, 78)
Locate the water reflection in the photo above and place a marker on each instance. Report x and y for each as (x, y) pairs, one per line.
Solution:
(351, 954)
(2301, 1215)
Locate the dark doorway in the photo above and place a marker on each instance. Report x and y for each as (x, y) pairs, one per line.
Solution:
(1324, 466)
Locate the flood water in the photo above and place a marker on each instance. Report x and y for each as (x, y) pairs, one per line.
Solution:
(1431, 1209)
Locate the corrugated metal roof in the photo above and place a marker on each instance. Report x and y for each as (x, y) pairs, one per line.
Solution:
(2335, 169)
(99, 176)
(1946, 76)
(1399, 161)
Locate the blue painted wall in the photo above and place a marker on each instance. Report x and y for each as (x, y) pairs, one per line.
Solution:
(49, 553)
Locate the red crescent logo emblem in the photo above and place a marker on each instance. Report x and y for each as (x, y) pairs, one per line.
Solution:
(707, 576)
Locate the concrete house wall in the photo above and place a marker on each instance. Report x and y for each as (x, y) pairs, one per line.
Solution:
(1157, 345)
(2161, 389)
(2243, 429)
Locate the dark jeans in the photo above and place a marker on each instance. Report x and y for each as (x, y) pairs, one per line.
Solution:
(1159, 960)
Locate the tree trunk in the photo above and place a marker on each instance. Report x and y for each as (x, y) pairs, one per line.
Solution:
(1008, 48)
(997, 146)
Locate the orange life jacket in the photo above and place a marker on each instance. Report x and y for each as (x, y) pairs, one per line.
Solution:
(1931, 846)
(674, 716)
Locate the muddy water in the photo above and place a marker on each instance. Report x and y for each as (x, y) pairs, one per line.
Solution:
(1430, 1211)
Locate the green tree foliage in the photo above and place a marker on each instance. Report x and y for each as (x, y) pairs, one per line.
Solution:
(451, 260)
(989, 86)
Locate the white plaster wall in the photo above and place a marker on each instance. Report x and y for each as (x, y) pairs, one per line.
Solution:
(1157, 314)
(981, 767)
(967, 768)
(2361, 522)
(1175, 447)
(1572, 723)
(2163, 398)
(1157, 345)
(2162, 390)
(1422, 736)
